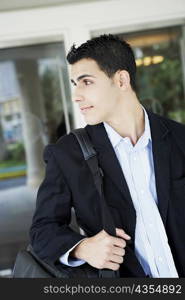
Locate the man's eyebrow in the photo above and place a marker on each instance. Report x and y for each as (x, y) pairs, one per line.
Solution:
(81, 77)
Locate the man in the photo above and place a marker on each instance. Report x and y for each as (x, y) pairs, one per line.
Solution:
(142, 156)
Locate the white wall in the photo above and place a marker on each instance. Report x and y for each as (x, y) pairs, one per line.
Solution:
(78, 22)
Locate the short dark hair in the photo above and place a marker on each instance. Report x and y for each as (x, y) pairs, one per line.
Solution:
(110, 52)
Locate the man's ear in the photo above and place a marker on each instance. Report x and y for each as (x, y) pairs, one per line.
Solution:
(123, 79)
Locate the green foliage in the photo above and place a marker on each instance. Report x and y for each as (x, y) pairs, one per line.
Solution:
(18, 152)
(15, 153)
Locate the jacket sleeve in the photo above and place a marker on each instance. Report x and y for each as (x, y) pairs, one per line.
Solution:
(50, 233)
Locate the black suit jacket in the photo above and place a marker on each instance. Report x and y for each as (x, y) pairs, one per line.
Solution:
(69, 183)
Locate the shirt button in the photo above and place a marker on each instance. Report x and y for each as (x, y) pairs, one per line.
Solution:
(160, 259)
(135, 158)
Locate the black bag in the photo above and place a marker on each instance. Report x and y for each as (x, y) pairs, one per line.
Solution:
(29, 265)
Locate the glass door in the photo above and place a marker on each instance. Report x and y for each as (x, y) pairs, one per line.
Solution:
(34, 110)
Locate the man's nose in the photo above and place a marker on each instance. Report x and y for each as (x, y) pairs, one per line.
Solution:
(77, 97)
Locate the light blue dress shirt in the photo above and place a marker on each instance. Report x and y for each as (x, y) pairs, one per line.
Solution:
(151, 242)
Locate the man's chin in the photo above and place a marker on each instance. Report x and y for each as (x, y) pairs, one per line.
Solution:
(93, 122)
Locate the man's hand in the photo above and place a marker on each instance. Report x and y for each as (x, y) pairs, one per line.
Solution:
(103, 250)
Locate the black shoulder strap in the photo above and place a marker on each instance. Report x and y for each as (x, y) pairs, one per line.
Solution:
(92, 161)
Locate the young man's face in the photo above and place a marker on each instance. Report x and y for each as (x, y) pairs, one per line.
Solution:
(95, 93)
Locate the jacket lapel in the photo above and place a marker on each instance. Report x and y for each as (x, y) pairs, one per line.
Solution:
(161, 145)
(109, 162)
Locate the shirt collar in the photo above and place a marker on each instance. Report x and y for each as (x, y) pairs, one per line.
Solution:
(116, 138)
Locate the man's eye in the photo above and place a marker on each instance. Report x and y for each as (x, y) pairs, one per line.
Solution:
(87, 82)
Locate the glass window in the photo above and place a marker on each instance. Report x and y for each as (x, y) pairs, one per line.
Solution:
(159, 70)
(34, 110)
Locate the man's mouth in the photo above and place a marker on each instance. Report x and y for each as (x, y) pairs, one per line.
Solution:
(85, 108)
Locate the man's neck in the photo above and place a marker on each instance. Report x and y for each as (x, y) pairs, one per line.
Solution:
(129, 121)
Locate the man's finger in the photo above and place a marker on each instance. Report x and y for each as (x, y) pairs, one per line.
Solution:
(121, 233)
(119, 242)
(112, 266)
(118, 251)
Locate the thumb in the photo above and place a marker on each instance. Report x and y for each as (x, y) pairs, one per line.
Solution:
(121, 233)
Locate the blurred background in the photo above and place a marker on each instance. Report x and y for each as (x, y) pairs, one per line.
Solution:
(35, 94)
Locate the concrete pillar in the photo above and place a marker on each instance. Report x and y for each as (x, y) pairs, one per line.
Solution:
(33, 115)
